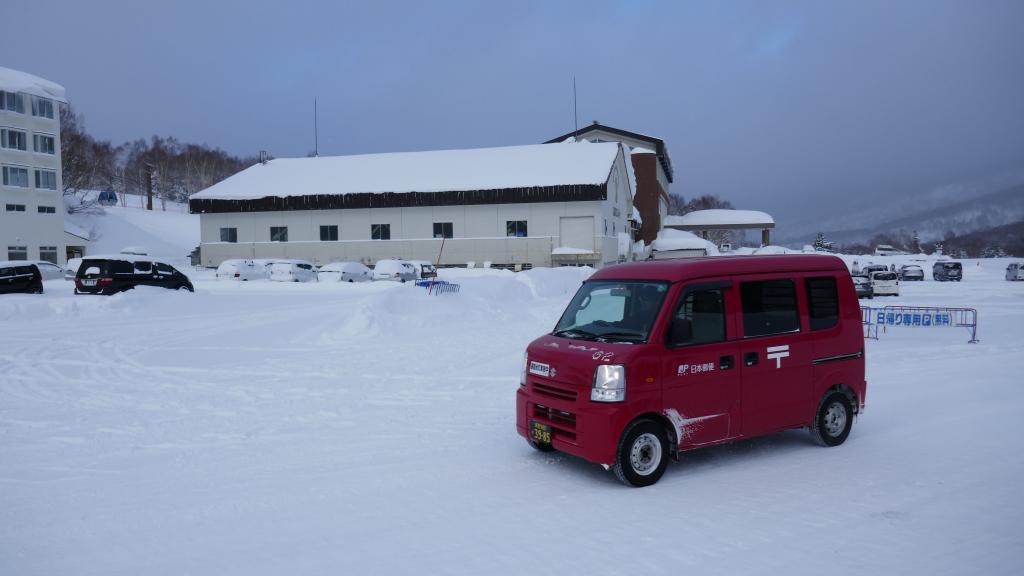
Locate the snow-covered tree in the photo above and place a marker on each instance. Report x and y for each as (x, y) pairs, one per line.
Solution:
(821, 244)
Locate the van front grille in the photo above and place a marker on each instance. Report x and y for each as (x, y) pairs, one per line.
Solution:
(555, 391)
(562, 423)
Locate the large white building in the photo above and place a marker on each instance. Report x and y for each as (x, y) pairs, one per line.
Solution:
(517, 206)
(31, 204)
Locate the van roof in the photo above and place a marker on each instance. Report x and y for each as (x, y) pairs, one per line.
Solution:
(687, 268)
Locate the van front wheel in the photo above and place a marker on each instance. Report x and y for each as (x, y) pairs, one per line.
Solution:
(643, 454)
(833, 421)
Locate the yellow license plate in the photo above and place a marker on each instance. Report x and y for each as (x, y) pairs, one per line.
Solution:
(541, 433)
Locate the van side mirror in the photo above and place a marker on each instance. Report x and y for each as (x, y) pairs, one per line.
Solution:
(681, 331)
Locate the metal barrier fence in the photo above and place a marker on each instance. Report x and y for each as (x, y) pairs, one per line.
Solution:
(438, 286)
(919, 317)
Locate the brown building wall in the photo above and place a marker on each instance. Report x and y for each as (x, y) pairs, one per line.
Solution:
(648, 191)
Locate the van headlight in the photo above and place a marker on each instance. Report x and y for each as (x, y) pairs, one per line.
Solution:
(609, 383)
(522, 373)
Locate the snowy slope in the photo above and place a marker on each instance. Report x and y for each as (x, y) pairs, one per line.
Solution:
(265, 428)
(170, 233)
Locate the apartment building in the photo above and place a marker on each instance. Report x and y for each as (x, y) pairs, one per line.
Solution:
(31, 203)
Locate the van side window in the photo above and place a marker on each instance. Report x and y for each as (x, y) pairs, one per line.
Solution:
(823, 301)
(164, 269)
(143, 267)
(769, 307)
(705, 309)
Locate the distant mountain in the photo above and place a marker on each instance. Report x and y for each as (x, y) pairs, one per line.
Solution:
(1008, 238)
(953, 217)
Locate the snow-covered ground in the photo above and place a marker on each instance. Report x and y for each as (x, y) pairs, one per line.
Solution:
(168, 231)
(271, 428)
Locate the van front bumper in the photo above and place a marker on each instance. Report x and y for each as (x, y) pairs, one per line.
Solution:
(589, 430)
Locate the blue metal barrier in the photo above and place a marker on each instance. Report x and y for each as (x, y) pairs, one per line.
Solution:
(438, 286)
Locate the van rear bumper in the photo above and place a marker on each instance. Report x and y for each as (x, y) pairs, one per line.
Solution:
(589, 430)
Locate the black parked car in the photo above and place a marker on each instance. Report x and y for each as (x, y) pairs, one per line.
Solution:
(864, 287)
(943, 271)
(19, 276)
(113, 274)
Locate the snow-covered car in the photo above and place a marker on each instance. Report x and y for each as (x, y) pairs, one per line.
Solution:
(49, 270)
(1015, 271)
(947, 271)
(292, 271)
(71, 268)
(911, 272)
(397, 270)
(241, 270)
(863, 286)
(885, 283)
(345, 272)
(424, 268)
(871, 268)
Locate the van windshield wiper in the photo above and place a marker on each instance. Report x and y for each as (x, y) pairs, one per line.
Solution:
(631, 337)
(575, 333)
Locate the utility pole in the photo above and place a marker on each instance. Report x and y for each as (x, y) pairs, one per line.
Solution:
(149, 186)
(316, 131)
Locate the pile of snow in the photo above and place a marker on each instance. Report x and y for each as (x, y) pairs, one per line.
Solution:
(431, 171)
(669, 239)
(170, 234)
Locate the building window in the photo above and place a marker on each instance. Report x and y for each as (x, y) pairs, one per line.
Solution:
(12, 101)
(48, 254)
(329, 233)
(13, 139)
(380, 231)
(278, 233)
(17, 252)
(44, 144)
(46, 179)
(42, 107)
(46, 209)
(822, 302)
(442, 229)
(231, 234)
(515, 228)
(15, 207)
(769, 307)
(15, 176)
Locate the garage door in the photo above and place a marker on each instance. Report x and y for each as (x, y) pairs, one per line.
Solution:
(577, 232)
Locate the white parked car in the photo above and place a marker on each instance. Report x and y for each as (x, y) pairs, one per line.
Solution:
(241, 270)
(71, 268)
(292, 271)
(885, 283)
(345, 272)
(397, 270)
(1015, 271)
(911, 272)
(49, 270)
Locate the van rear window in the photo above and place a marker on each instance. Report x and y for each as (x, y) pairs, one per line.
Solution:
(769, 307)
(823, 301)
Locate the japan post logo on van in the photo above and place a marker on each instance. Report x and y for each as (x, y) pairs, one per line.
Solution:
(777, 353)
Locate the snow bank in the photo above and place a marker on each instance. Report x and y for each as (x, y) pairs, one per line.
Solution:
(669, 239)
(431, 171)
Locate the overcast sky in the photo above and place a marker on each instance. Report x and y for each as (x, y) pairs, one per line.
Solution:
(798, 108)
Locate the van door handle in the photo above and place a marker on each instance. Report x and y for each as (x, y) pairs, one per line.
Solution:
(750, 358)
(725, 362)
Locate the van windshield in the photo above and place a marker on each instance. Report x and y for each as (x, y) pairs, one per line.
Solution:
(612, 311)
(951, 265)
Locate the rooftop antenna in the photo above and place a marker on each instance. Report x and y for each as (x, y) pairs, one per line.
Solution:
(316, 131)
(575, 118)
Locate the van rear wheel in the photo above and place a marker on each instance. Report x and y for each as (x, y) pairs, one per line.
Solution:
(833, 421)
(643, 454)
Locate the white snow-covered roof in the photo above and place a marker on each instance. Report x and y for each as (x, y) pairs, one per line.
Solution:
(432, 171)
(719, 217)
(669, 239)
(17, 81)
(570, 250)
(641, 150)
(126, 258)
(76, 230)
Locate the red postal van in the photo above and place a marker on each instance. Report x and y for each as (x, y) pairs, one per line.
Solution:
(653, 358)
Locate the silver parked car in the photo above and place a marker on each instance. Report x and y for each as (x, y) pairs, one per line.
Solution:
(397, 270)
(1015, 271)
(345, 272)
